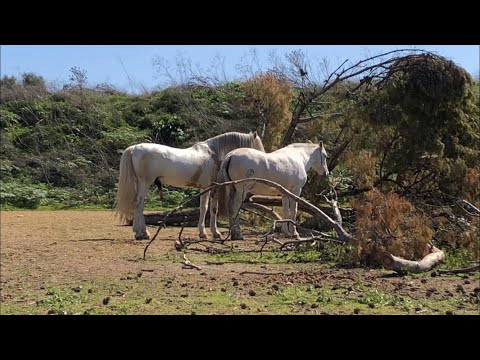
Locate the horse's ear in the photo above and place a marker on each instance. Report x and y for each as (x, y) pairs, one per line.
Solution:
(321, 143)
(255, 134)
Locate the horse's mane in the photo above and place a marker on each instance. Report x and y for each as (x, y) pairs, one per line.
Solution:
(302, 144)
(222, 144)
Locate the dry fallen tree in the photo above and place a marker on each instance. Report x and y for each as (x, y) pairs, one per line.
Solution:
(389, 261)
(397, 264)
(260, 203)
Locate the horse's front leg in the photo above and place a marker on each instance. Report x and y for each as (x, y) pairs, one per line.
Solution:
(213, 215)
(139, 227)
(203, 212)
(286, 214)
(293, 209)
(293, 215)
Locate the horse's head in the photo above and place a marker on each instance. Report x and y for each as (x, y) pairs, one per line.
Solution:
(320, 164)
(257, 142)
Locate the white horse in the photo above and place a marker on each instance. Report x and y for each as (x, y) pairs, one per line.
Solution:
(195, 167)
(287, 166)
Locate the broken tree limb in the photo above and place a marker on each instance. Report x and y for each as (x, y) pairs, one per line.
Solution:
(313, 239)
(187, 264)
(185, 216)
(277, 201)
(334, 204)
(343, 235)
(262, 208)
(397, 264)
(261, 203)
(473, 210)
(460, 271)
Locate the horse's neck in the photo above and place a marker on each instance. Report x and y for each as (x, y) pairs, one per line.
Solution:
(307, 155)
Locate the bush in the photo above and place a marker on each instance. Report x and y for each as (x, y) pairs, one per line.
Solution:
(21, 196)
(388, 224)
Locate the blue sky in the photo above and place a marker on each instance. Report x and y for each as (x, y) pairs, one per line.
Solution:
(131, 68)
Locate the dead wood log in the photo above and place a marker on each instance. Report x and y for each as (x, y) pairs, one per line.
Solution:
(471, 269)
(187, 264)
(397, 264)
(389, 261)
(277, 201)
(342, 234)
(190, 216)
(262, 208)
(180, 217)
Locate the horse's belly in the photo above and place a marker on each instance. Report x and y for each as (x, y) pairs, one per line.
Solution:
(260, 189)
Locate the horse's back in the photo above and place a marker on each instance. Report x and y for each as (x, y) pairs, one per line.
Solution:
(283, 169)
(190, 167)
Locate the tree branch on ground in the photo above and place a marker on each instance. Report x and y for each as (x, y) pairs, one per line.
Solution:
(187, 264)
(400, 265)
(471, 269)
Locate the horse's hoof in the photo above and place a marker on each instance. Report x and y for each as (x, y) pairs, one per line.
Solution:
(217, 236)
(142, 237)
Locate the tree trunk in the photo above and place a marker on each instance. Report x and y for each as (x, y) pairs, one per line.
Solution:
(178, 218)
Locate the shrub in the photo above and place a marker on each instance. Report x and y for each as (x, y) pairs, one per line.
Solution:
(388, 224)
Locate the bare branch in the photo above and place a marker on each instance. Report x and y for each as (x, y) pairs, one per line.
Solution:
(187, 264)
(313, 239)
(460, 271)
(473, 208)
(318, 117)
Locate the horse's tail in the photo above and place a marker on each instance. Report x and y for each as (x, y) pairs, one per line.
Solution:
(127, 188)
(225, 193)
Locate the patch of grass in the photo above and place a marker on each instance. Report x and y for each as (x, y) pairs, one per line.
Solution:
(457, 258)
(376, 297)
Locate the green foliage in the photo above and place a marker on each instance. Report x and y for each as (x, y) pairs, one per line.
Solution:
(458, 258)
(430, 108)
(8, 118)
(31, 79)
(119, 139)
(172, 198)
(62, 149)
(21, 195)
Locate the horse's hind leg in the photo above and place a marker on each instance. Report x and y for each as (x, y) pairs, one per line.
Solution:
(234, 213)
(213, 215)
(139, 226)
(203, 212)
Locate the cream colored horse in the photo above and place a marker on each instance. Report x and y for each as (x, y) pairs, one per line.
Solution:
(287, 166)
(194, 167)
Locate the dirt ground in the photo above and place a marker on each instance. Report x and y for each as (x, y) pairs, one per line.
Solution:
(84, 262)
